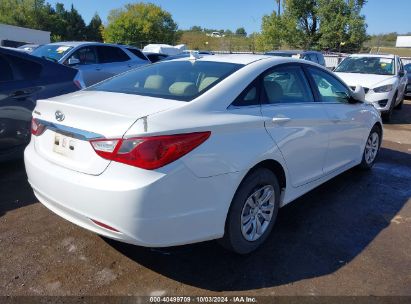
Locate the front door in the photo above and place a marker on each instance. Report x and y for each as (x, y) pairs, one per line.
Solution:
(295, 121)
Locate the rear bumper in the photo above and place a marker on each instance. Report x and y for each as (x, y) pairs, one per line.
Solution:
(148, 208)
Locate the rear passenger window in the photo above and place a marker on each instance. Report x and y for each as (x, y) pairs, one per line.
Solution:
(6, 73)
(249, 97)
(286, 85)
(107, 54)
(85, 55)
(25, 69)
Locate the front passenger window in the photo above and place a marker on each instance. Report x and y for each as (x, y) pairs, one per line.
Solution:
(85, 55)
(330, 88)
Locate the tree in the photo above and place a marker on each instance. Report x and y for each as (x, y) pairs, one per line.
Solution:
(271, 36)
(140, 23)
(304, 12)
(37, 14)
(196, 28)
(241, 32)
(94, 29)
(342, 26)
(313, 24)
(76, 28)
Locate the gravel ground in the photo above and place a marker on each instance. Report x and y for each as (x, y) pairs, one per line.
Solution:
(351, 236)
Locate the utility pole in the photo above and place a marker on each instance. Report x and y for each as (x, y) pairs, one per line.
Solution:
(279, 7)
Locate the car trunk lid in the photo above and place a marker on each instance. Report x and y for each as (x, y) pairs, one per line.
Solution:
(71, 121)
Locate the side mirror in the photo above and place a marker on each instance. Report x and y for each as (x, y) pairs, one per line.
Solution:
(401, 73)
(358, 95)
(73, 61)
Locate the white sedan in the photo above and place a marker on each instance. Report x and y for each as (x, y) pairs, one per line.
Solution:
(197, 149)
(382, 76)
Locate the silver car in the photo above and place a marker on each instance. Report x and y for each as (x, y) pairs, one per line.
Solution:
(97, 61)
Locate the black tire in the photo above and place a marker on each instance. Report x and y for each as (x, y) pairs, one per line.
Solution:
(366, 164)
(234, 239)
(399, 106)
(386, 117)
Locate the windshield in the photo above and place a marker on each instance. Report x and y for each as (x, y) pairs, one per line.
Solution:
(367, 65)
(51, 52)
(179, 80)
(407, 67)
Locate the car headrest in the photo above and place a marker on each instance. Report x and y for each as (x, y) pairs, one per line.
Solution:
(154, 82)
(206, 82)
(181, 88)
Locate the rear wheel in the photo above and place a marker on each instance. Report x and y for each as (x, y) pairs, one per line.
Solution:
(253, 212)
(372, 147)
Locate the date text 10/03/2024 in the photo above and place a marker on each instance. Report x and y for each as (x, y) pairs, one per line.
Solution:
(203, 299)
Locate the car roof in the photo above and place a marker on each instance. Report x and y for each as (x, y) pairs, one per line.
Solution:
(229, 58)
(78, 43)
(374, 55)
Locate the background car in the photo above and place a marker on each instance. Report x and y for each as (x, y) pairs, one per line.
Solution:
(97, 61)
(23, 80)
(313, 56)
(382, 76)
(29, 48)
(154, 57)
(197, 148)
(407, 68)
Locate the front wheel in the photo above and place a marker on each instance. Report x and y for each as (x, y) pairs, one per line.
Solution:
(253, 212)
(372, 147)
(388, 115)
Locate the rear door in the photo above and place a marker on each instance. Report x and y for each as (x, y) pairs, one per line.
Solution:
(113, 60)
(18, 93)
(295, 121)
(347, 126)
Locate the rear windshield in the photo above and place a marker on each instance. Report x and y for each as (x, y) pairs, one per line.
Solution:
(179, 80)
(51, 52)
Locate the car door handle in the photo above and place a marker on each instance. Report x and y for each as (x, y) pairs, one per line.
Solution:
(98, 68)
(281, 119)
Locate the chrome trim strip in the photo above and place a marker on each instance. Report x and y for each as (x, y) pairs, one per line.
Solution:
(69, 131)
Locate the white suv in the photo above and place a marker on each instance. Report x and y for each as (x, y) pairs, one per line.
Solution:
(382, 76)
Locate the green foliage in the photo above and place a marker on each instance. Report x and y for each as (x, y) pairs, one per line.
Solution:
(342, 26)
(315, 24)
(233, 43)
(37, 14)
(241, 32)
(140, 23)
(94, 29)
(196, 28)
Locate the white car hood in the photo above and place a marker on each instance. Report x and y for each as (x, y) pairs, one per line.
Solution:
(364, 80)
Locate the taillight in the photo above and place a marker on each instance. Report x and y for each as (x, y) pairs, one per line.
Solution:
(149, 152)
(36, 127)
(78, 84)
